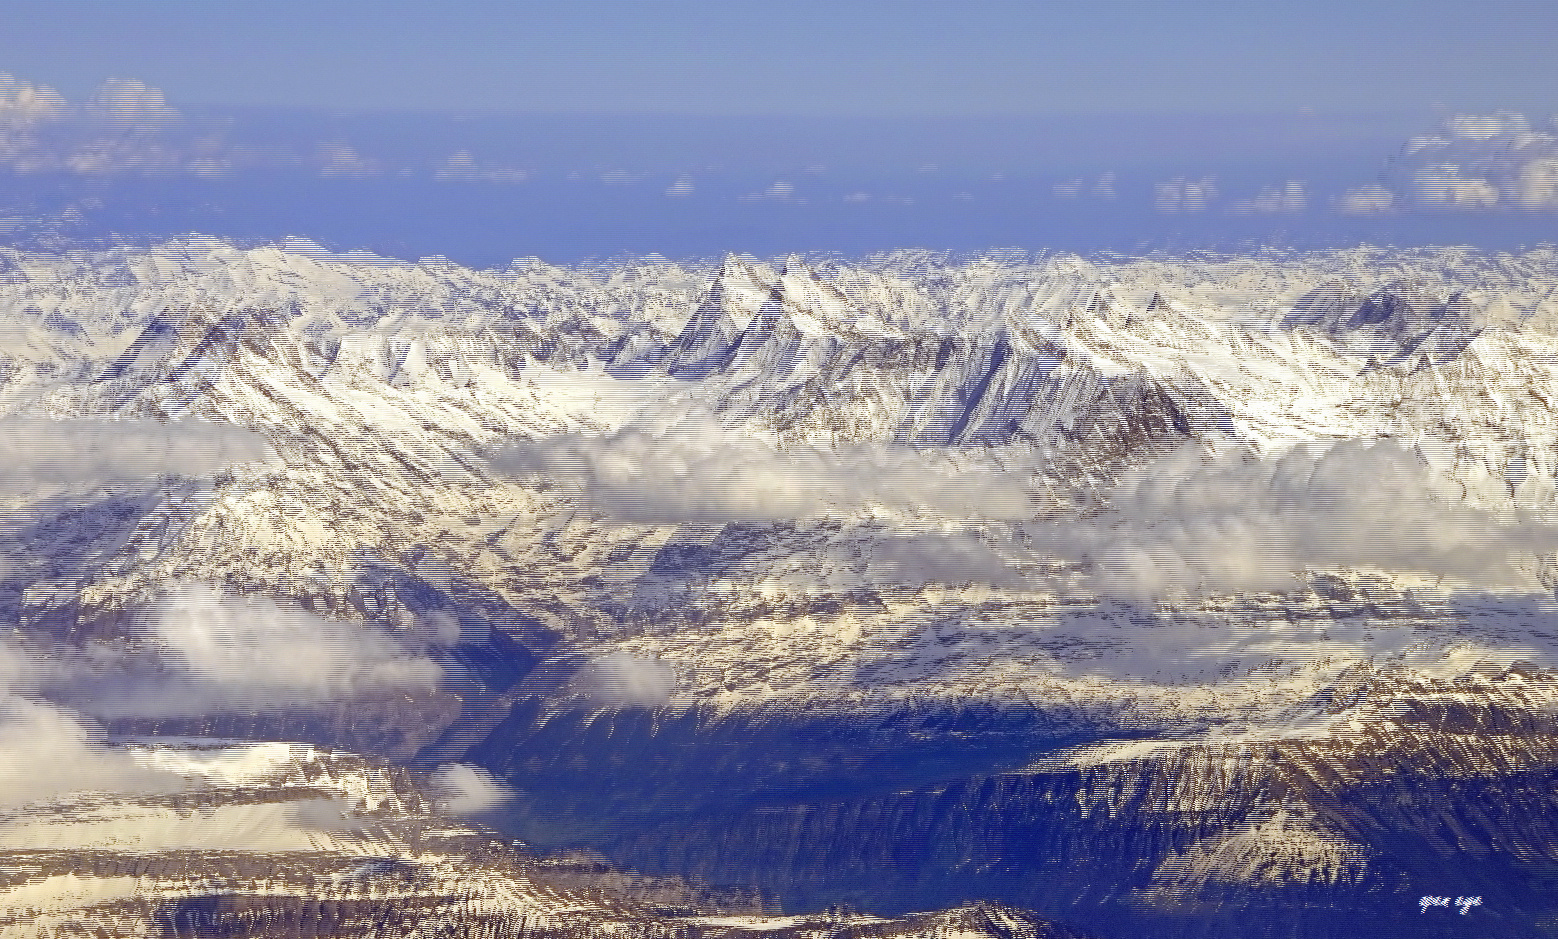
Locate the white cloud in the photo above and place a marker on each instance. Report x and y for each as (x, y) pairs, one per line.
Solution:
(253, 653)
(47, 751)
(1189, 524)
(620, 178)
(1487, 126)
(702, 472)
(1288, 198)
(23, 104)
(461, 166)
(340, 161)
(1103, 187)
(200, 651)
(621, 680)
(682, 187)
(1419, 144)
(780, 191)
(123, 127)
(1537, 185)
(110, 157)
(1478, 162)
(1444, 185)
(1366, 200)
(209, 167)
(857, 197)
(1185, 195)
(462, 789)
(131, 106)
(1192, 523)
(39, 454)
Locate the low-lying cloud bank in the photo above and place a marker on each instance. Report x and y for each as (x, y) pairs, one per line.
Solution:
(199, 651)
(462, 789)
(1189, 524)
(42, 454)
(952, 558)
(255, 653)
(699, 471)
(48, 751)
(1192, 524)
(621, 680)
(123, 127)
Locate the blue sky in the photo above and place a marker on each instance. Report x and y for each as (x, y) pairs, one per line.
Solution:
(579, 130)
(800, 57)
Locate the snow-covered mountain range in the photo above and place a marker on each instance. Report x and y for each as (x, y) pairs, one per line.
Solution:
(1207, 596)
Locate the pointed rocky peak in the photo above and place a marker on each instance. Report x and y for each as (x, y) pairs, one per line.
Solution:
(1461, 308)
(709, 336)
(736, 293)
(770, 313)
(764, 325)
(174, 335)
(204, 344)
(1412, 315)
(739, 270)
(774, 304)
(714, 300)
(730, 264)
(1323, 304)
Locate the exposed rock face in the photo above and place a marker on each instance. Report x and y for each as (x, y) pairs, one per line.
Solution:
(1203, 597)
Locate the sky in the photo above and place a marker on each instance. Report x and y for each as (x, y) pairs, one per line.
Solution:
(591, 130)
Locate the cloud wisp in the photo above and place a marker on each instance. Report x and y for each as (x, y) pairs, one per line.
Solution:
(339, 160)
(1101, 188)
(1366, 200)
(461, 166)
(780, 191)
